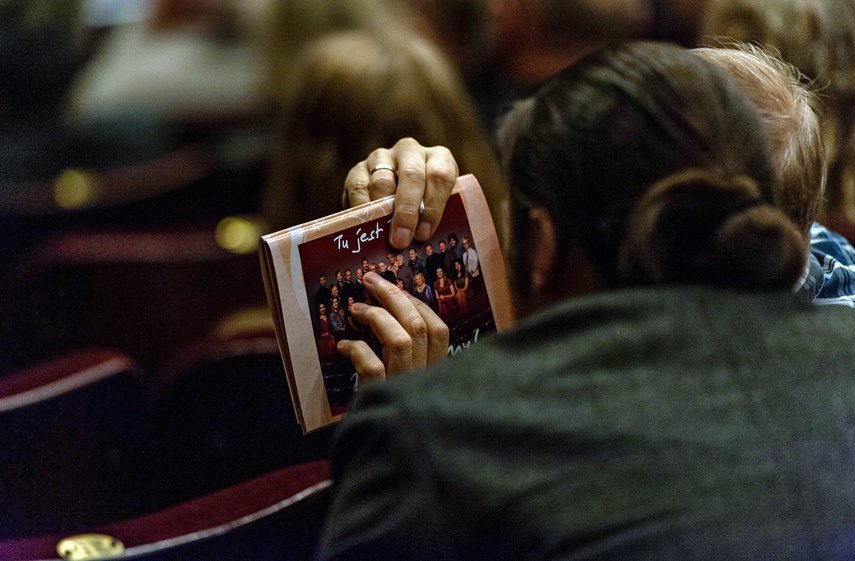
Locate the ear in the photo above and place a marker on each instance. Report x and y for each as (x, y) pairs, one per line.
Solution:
(542, 239)
(555, 276)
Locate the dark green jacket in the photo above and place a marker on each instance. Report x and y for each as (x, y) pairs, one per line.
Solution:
(679, 423)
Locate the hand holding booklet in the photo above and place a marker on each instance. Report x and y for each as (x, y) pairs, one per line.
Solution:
(313, 273)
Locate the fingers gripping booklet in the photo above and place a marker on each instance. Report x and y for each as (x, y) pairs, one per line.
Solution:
(313, 272)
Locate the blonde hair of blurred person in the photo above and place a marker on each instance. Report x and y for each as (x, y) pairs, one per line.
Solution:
(818, 38)
(351, 92)
(789, 111)
(289, 25)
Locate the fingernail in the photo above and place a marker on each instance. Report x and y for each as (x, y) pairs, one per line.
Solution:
(401, 237)
(359, 307)
(423, 231)
(371, 278)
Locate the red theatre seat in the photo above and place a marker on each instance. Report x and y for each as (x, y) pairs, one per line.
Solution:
(69, 434)
(147, 292)
(276, 516)
(223, 414)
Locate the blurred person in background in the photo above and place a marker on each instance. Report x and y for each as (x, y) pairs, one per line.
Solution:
(192, 68)
(789, 110)
(183, 60)
(346, 93)
(49, 150)
(504, 49)
(287, 26)
(41, 50)
(818, 38)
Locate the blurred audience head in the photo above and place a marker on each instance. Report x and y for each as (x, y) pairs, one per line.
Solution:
(290, 25)
(459, 27)
(532, 39)
(818, 38)
(643, 163)
(802, 31)
(789, 109)
(351, 92)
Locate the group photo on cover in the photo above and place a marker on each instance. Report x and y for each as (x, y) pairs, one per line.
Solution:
(443, 272)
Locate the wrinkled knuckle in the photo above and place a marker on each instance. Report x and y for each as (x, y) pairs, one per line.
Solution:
(407, 212)
(444, 152)
(443, 175)
(401, 344)
(357, 185)
(407, 142)
(384, 290)
(439, 332)
(368, 315)
(415, 172)
(374, 372)
(418, 328)
(383, 183)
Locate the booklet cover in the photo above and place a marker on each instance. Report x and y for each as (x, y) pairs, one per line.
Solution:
(313, 273)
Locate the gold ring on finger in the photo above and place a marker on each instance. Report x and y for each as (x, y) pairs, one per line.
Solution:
(378, 167)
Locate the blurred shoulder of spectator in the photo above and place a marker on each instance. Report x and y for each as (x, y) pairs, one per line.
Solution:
(183, 60)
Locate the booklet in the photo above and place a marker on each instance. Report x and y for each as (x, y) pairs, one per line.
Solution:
(312, 274)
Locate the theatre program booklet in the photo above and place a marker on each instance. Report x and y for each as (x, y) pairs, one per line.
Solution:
(313, 273)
